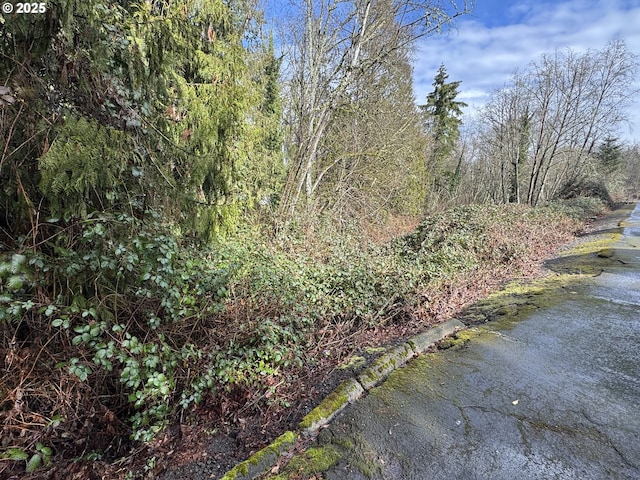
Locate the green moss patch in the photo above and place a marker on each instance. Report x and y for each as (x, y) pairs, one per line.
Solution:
(384, 365)
(517, 300)
(313, 461)
(354, 363)
(589, 257)
(261, 461)
(457, 341)
(375, 350)
(347, 392)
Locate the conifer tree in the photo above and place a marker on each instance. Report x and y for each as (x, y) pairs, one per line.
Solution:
(442, 120)
(610, 155)
(263, 174)
(123, 106)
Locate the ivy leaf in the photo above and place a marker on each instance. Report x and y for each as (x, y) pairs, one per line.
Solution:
(17, 260)
(58, 322)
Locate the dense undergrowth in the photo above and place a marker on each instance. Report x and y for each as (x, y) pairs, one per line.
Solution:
(113, 329)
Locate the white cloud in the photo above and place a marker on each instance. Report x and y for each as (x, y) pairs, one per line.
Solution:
(484, 58)
(473, 95)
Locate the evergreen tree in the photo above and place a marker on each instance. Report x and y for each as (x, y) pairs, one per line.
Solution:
(125, 133)
(442, 120)
(610, 155)
(123, 106)
(263, 174)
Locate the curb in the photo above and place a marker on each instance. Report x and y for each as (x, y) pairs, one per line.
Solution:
(261, 462)
(345, 394)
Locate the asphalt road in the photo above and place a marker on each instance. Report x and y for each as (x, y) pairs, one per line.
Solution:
(552, 393)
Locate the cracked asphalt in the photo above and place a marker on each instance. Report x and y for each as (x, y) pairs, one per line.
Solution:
(553, 393)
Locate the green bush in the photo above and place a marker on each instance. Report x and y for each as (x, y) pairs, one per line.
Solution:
(111, 286)
(578, 208)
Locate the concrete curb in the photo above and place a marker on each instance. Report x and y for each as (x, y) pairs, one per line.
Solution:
(423, 341)
(384, 365)
(261, 462)
(345, 394)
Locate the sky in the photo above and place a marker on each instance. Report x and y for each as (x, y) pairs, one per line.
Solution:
(500, 36)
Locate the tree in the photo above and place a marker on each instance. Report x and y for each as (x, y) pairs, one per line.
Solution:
(373, 151)
(555, 113)
(580, 100)
(333, 46)
(609, 155)
(123, 106)
(262, 176)
(508, 122)
(125, 130)
(443, 117)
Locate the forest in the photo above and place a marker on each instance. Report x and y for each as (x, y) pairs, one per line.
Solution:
(202, 215)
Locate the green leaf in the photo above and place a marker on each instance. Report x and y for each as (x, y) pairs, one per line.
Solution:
(55, 422)
(57, 322)
(80, 371)
(34, 463)
(46, 451)
(15, 454)
(15, 282)
(17, 260)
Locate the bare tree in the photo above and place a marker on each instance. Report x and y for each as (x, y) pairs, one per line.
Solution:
(333, 46)
(374, 148)
(580, 100)
(549, 120)
(508, 120)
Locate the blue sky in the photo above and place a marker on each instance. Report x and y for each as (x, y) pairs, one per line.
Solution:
(500, 36)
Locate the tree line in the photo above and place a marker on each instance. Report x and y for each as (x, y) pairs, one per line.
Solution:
(551, 132)
(185, 108)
